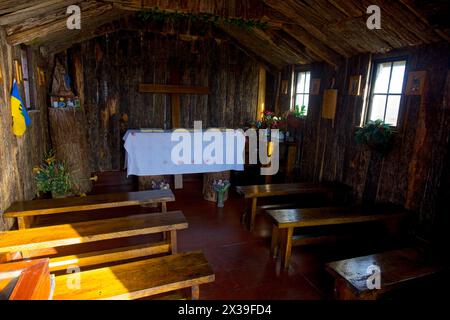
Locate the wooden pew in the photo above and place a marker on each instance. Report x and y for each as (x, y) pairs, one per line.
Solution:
(284, 222)
(399, 268)
(255, 192)
(140, 279)
(24, 211)
(29, 240)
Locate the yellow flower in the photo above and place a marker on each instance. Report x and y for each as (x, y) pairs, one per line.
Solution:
(36, 170)
(82, 195)
(50, 160)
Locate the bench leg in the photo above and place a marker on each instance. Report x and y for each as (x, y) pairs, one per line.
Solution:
(163, 207)
(173, 241)
(275, 244)
(24, 222)
(164, 210)
(286, 246)
(195, 292)
(253, 214)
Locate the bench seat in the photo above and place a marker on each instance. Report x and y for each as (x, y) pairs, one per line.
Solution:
(397, 269)
(285, 221)
(25, 210)
(84, 232)
(255, 192)
(140, 279)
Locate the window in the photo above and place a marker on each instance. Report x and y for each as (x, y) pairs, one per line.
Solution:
(386, 91)
(26, 78)
(303, 84)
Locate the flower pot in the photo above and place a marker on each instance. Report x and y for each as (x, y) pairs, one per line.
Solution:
(294, 122)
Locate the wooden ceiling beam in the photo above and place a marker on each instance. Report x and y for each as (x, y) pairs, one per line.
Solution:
(41, 31)
(299, 14)
(43, 7)
(316, 46)
(410, 6)
(8, 6)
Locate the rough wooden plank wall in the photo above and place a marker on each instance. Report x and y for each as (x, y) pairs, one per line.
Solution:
(19, 155)
(411, 173)
(113, 66)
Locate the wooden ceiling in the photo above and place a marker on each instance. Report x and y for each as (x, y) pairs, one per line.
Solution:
(300, 32)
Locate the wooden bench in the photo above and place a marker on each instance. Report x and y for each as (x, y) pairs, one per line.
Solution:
(29, 240)
(255, 192)
(398, 268)
(284, 222)
(24, 211)
(140, 279)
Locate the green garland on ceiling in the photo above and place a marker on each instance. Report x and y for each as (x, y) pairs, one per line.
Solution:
(158, 15)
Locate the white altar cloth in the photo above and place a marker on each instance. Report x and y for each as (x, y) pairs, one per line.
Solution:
(150, 154)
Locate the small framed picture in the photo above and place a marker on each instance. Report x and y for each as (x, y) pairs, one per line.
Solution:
(315, 87)
(354, 88)
(416, 83)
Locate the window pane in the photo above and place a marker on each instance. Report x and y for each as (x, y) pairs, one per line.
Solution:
(299, 100)
(383, 71)
(393, 107)
(301, 82)
(378, 105)
(308, 82)
(306, 101)
(398, 75)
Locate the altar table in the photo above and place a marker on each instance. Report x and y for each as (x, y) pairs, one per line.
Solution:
(149, 154)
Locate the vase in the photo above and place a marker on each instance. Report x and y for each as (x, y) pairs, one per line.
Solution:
(220, 202)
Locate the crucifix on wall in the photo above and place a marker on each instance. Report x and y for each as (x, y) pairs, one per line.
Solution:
(175, 90)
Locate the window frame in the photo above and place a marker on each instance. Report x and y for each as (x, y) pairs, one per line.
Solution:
(28, 93)
(297, 73)
(371, 93)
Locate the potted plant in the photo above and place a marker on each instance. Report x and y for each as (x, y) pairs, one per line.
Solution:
(53, 177)
(295, 117)
(221, 187)
(377, 135)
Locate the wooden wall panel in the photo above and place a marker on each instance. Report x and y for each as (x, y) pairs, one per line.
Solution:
(114, 65)
(18, 156)
(410, 174)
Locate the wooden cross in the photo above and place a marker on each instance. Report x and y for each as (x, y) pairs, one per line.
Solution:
(175, 90)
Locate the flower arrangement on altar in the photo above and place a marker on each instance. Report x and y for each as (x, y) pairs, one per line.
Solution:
(221, 186)
(160, 185)
(270, 120)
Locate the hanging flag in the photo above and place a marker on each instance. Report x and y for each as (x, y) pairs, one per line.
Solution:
(21, 120)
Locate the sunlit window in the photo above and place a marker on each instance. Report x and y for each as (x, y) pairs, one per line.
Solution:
(387, 91)
(302, 92)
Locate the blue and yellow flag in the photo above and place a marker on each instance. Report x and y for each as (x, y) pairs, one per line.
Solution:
(19, 112)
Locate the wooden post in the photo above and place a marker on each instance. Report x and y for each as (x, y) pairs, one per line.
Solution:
(173, 242)
(68, 132)
(261, 92)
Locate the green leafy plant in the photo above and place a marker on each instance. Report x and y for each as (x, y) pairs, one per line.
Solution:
(377, 135)
(158, 15)
(53, 176)
(298, 112)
